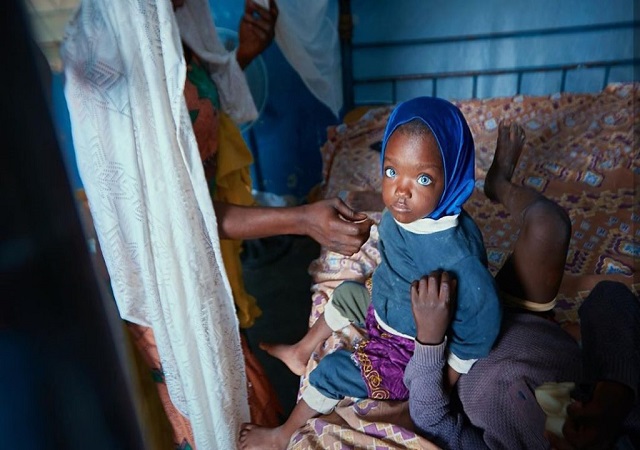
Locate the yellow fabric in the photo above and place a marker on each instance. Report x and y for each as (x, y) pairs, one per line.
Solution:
(233, 185)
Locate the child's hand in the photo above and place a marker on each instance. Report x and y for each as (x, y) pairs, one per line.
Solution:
(432, 300)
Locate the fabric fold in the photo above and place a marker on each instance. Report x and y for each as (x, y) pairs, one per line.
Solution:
(144, 180)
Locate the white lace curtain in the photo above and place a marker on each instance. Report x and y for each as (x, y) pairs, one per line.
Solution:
(142, 173)
(306, 33)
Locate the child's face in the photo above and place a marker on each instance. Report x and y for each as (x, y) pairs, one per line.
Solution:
(413, 176)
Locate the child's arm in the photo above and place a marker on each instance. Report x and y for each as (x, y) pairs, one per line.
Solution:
(432, 301)
(476, 323)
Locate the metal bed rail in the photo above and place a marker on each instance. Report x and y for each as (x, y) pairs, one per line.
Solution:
(519, 71)
(349, 48)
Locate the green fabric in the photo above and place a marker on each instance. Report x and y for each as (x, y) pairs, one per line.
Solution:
(352, 300)
(213, 186)
(199, 77)
(157, 375)
(207, 89)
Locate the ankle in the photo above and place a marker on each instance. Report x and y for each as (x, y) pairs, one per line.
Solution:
(497, 187)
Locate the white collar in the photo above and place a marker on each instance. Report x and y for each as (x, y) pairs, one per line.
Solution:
(428, 226)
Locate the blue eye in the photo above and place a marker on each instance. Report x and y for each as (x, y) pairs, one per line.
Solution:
(424, 180)
(390, 172)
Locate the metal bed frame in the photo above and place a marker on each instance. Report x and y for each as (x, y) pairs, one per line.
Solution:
(348, 48)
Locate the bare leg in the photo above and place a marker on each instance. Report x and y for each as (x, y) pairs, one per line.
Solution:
(256, 437)
(296, 356)
(535, 268)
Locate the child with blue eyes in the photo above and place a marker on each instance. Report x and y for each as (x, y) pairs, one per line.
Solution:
(428, 162)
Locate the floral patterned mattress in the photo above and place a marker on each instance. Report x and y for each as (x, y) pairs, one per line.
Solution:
(581, 151)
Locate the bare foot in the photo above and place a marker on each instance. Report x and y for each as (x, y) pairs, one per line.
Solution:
(260, 438)
(288, 354)
(508, 149)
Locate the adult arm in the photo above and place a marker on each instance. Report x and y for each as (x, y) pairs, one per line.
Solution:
(429, 402)
(321, 221)
(432, 301)
(476, 323)
(256, 30)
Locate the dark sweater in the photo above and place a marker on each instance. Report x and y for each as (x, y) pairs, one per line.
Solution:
(497, 395)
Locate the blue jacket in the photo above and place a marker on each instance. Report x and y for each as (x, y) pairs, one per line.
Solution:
(459, 250)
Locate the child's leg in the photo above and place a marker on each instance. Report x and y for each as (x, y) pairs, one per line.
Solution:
(335, 377)
(260, 438)
(297, 355)
(535, 268)
(348, 304)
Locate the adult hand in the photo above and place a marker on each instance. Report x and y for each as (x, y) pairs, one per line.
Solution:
(432, 304)
(256, 30)
(336, 226)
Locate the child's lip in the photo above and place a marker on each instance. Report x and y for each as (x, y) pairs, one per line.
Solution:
(401, 207)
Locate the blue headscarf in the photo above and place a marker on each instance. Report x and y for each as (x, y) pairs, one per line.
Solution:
(454, 139)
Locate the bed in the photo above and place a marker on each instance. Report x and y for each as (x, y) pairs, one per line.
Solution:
(581, 151)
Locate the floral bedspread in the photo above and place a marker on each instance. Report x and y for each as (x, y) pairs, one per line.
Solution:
(581, 151)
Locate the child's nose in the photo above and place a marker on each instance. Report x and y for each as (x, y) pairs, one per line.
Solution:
(403, 191)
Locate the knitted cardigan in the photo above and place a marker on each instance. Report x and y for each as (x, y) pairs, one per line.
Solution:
(497, 395)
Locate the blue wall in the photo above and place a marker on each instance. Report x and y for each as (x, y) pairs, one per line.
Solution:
(286, 138)
(418, 19)
(62, 123)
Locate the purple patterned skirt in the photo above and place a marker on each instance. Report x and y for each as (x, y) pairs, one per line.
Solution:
(382, 358)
